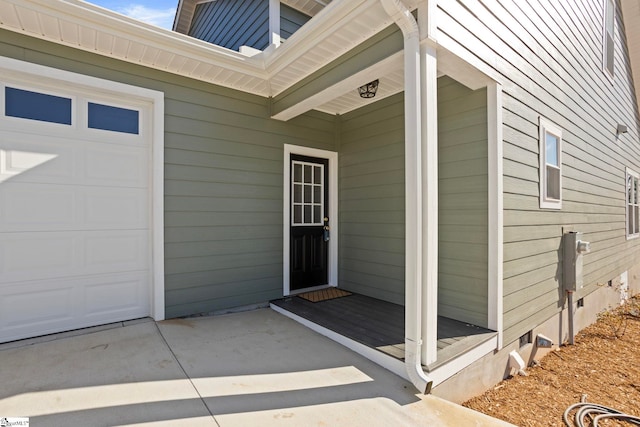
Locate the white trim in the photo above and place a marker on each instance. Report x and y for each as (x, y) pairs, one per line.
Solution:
(610, 74)
(332, 156)
(20, 70)
(388, 362)
(446, 371)
(546, 126)
(274, 22)
(347, 84)
(429, 141)
(496, 214)
(628, 173)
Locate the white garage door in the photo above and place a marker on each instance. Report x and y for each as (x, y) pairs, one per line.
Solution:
(75, 209)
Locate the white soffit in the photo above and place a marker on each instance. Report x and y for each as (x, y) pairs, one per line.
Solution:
(91, 28)
(336, 29)
(308, 7)
(186, 9)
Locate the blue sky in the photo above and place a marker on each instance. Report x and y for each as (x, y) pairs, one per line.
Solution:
(155, 12)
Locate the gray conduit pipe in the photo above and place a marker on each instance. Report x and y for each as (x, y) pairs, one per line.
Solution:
(412, 111)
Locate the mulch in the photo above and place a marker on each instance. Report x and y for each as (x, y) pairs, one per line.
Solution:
(602, 367)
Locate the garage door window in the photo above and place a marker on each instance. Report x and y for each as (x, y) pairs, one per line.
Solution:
(116, 119)
(43, 107)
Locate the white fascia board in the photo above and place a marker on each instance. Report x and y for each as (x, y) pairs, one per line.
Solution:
(176, 19)
(117, 25)
(336, 15)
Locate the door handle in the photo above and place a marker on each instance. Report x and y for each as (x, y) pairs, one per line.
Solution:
(326, 234)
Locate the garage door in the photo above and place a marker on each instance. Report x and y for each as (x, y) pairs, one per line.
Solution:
(75, 209)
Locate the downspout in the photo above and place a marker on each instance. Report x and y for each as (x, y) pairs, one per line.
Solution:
(413, 197)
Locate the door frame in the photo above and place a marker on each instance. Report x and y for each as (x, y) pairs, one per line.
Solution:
(332, 258)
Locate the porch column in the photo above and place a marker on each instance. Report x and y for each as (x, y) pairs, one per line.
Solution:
(429, 167)
(274, 22)
(429, 120)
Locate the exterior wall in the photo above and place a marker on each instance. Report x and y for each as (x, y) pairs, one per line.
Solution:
(232, 23)
(548, 55)
(491, 369)
(371, 159)
(462, 204)
(290, 21)
(223, 179)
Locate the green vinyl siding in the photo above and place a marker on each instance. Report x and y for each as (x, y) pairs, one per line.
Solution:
(548, 56)
(462, 207)
(371, 159)
(223, 178)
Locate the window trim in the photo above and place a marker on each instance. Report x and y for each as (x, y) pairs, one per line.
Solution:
(633, 174)
(605, 69)
(548, 127)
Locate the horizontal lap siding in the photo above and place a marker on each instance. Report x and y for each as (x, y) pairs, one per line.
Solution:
(462, 208)
(223, 179)
(372, 200)
(232, 23)
(549, 57)
(290, 21)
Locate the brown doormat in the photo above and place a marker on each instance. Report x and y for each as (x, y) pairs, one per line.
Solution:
(324, 294)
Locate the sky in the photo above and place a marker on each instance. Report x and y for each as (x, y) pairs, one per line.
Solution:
(155, 12)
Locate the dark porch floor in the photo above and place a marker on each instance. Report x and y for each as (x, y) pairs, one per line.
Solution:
(380, 325)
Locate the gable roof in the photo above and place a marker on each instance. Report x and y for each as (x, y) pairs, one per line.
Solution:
(186, 9)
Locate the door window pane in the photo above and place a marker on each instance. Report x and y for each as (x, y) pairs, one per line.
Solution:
(307, 188)
(297, 193)
(297, 214)
(317, 194)
(114, 119)
(307, 194)
(25, 104)
(297, 172)
(307, 215)
(307, 173)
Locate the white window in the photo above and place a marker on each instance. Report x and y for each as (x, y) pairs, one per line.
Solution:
(608, 43)
(550, 165)
(308, 193)
(633, 210)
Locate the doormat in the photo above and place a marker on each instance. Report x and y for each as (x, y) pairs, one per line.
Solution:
(324, 294)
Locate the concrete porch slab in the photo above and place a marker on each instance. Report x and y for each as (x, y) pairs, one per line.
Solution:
(120, 376)
(243, 369)
(261, 368)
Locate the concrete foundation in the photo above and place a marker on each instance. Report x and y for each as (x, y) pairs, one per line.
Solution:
(493, 368)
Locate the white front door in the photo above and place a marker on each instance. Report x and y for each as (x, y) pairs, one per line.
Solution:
(75, 209)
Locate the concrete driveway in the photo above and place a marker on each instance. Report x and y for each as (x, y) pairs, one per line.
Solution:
(252, 368)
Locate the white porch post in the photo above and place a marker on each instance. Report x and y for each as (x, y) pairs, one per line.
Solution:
(495, 196)
(274, 22)
(429, 167)
(429, 119)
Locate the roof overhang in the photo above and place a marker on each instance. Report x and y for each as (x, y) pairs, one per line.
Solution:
(186, 10)
(336, 30)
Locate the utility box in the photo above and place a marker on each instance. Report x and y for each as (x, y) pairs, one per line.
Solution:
(573, 248)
